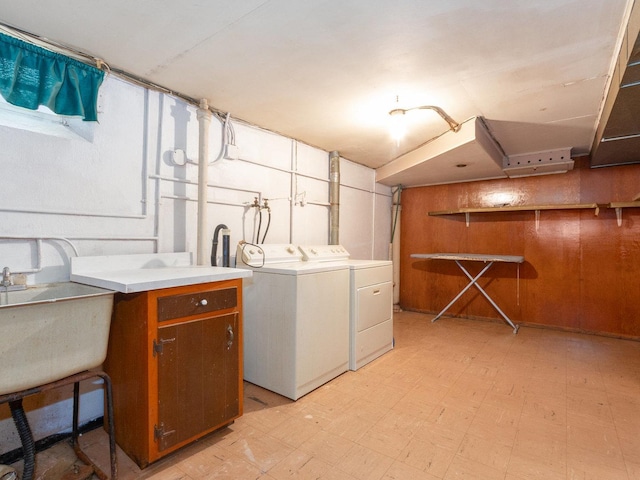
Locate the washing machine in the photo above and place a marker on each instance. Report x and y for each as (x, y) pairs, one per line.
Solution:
(296, 319)
(370, 299)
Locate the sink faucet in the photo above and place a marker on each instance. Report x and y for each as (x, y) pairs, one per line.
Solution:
(6, 277)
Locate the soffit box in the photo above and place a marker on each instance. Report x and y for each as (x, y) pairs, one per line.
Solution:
(618, 132)
(539, 163)
(438, 161)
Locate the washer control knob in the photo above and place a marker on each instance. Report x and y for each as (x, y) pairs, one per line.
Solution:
(314, 251)
(290, 249)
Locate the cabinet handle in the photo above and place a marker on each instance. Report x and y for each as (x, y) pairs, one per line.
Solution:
(376, 292)
(230, 336)
(158, 346)
(203, 302)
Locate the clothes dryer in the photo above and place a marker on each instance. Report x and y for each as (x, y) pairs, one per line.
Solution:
(370, 300)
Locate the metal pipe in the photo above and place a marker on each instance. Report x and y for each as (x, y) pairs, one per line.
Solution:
(334, 198)
(38, 241)
(73, 214)
(204, 121)
(116, 239)
(284, 170)
(212, 185)
(211, 202)
(395, 243)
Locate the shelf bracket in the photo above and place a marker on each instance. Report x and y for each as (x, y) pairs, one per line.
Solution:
(466, 216)
(619, 216)
(537, 213)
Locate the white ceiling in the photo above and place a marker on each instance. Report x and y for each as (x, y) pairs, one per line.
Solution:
(328, 72)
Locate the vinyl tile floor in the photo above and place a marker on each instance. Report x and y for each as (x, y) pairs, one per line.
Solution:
(455, 399)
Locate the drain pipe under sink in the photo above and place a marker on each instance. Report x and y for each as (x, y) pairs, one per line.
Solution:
(26, 437)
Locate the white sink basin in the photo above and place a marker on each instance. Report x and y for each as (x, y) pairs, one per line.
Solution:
(52, 331)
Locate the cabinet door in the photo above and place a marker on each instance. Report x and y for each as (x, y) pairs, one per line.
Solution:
(198, 375)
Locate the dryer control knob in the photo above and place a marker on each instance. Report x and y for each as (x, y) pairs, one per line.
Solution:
(290, 250)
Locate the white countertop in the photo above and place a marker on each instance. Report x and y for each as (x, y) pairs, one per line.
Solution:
(138, 273)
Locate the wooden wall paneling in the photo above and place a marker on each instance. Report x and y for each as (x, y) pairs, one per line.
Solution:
(611, 277)
(629, 271)
(600, 275)
(553, 251)
(581, 271)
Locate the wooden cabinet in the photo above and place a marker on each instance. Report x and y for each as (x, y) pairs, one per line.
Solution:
(175, 360)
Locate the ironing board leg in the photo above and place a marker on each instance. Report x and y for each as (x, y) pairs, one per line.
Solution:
(473, 281)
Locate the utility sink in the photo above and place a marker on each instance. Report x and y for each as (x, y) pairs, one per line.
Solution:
(49, 332)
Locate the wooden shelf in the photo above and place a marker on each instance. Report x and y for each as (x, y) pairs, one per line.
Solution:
(634, 204)
(520, 208)
(537, 208)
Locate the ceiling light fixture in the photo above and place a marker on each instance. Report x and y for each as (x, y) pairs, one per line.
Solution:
(398, 126)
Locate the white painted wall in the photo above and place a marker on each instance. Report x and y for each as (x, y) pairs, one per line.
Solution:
(117, 191)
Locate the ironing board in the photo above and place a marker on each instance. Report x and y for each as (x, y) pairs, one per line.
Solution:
(473, 257)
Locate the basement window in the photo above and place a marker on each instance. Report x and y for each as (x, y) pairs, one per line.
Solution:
(43, 90)
(45, 122)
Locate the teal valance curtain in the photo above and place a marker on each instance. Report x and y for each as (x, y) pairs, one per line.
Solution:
(31, 76)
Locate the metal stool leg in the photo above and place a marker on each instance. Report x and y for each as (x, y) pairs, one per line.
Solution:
(15, 400)
(112, 442)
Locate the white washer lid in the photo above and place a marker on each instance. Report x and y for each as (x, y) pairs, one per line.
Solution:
(297, 268)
